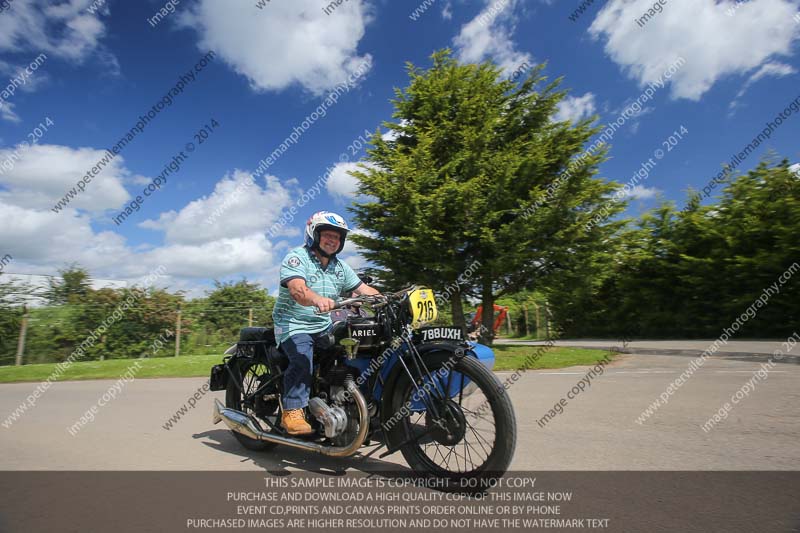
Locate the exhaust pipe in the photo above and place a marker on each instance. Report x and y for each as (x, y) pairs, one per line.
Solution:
(249, 427)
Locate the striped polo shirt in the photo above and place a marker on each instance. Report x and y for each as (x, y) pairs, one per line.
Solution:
(336, 280)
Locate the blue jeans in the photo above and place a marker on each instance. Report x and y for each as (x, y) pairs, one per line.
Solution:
(297, 378)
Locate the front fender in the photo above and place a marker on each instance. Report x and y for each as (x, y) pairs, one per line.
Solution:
(481, 352)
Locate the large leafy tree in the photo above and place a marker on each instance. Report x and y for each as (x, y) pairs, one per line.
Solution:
(463, 181)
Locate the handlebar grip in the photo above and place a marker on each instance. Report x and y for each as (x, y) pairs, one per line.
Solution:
(337, 305)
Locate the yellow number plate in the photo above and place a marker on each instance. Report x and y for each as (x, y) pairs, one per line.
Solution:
(423, 306)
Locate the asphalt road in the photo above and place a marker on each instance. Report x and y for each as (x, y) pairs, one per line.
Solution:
(596, 431)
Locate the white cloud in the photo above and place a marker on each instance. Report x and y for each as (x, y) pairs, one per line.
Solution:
(714, 44)
(250, 210)
(447, 11)
(639, 192)
(488, 36)
(7, 112)
(575, 108)
(772, 69)
(65, 30)
(779, 70)
(45, 238)
(795, 169)
(342, 185)
(44, 173)
(218, 258)
(27, 82)
(42, 241)
(285, 43)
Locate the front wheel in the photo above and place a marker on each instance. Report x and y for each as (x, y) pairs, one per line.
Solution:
(459, 427)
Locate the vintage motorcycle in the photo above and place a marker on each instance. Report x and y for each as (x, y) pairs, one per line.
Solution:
(430, 393)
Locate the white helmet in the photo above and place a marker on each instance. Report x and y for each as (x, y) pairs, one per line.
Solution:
(325, 220)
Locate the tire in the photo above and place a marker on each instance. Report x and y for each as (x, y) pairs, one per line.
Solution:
(488, 398)
(246, 372)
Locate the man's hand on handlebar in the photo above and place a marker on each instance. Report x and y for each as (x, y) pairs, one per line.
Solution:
(324, 305)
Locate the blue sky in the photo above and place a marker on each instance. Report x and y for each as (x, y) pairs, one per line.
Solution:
(104, 65)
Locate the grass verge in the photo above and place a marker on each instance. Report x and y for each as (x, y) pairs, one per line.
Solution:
(513, 357)
(507, 358)
(158, 367)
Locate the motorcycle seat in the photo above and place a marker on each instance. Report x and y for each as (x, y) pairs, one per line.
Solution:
(257, 334)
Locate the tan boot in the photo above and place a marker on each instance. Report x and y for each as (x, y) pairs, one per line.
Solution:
(295, 423)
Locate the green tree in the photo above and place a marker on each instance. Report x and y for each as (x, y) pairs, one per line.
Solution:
(12, 296)
(478, 171)
(227, 306)
(73, 287)
(690, 273)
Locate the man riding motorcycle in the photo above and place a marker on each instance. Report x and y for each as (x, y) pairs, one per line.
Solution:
(311, 276)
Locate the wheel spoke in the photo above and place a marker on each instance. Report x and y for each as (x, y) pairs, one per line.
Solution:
(479, 438)
(476, 451)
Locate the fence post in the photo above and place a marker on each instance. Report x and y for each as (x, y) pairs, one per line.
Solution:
(527, 329)
(23, 330)
(178, 332)
(250, 318)
(546, 325)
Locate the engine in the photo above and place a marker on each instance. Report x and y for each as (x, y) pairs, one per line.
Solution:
(332, 417)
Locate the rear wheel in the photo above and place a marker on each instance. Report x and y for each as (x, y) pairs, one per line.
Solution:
(240, 395)
(473, 433)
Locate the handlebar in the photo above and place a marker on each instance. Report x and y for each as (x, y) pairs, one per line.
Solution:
(373, 299)
(356, 300)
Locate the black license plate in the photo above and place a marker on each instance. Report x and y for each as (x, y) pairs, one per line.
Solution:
(431, 334)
